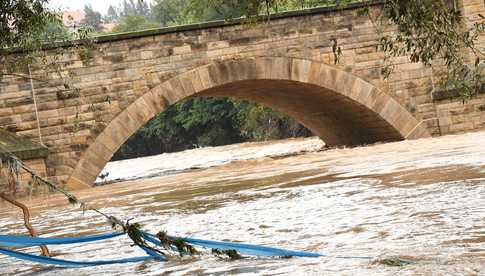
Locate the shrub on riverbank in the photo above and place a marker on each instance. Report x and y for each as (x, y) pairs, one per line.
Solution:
(200, 122)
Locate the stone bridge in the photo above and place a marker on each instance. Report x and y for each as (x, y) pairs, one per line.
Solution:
(286, 64)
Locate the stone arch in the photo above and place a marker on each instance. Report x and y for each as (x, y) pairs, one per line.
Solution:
(338, 106)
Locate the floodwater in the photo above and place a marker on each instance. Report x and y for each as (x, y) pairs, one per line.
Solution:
(422, 200)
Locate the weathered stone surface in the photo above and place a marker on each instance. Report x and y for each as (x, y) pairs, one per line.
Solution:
(33, 154)
(286, 64)
(21, 147)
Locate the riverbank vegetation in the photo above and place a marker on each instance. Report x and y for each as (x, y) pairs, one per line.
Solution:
(200, 122)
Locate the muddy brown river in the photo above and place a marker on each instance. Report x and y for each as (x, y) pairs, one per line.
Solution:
(422, 200)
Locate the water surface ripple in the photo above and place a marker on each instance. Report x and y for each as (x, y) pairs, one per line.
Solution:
(422, 200)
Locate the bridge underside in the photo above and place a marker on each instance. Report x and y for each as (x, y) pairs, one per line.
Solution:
(335, 118)
(337, 106)
(286, 64)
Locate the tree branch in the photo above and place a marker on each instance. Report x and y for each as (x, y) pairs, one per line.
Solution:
(26, 212)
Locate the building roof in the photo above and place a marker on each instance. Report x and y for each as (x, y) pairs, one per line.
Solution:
(70, 18)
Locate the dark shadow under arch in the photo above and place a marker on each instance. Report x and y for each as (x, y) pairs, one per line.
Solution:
(339, 107)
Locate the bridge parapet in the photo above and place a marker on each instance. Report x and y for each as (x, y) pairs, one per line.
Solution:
(124, 70)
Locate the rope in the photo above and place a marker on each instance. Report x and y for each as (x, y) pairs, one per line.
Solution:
(35, 105)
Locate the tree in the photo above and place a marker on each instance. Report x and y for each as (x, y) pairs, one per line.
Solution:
(428, 31)
(112, 14)
(170, 12)
(131, 23)
(92, 18)
(209, 122)
(21, 20)
(221, 9)
(431, 31)
(21, 24)
(27, 28)
(258, 123)
(135, 7)
(143, 8)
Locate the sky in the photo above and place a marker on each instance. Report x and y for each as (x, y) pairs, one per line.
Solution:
(98, 5)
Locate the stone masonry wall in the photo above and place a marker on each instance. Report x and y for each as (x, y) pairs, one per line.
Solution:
(455, 116)
(37, 165)
(124, 67)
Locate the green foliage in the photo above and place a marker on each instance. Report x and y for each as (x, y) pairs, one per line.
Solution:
(227, 9)
(131, 23)
(135, 7)
(22, 21)
(430, 31)
(112, 15)
(231, 254)
(132, 16)
(22, 26)
(170, 12)
(27, 28)
(92, 18)
(216, 9)
(259, 123)
(208, 122)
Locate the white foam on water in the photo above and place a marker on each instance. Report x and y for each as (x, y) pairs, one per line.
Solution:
(205, 157)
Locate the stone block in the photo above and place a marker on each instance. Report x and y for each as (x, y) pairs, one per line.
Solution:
(141, 112)
(280, 69)
(168, 93)
(155, 99)
(315, 74)
(137, 76)
(263, 67)
(300, 70)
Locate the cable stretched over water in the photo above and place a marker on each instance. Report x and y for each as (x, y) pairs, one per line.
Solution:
(258, 250)
(66, 263)
(245, 249)
(25, 241)
(134, 233)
